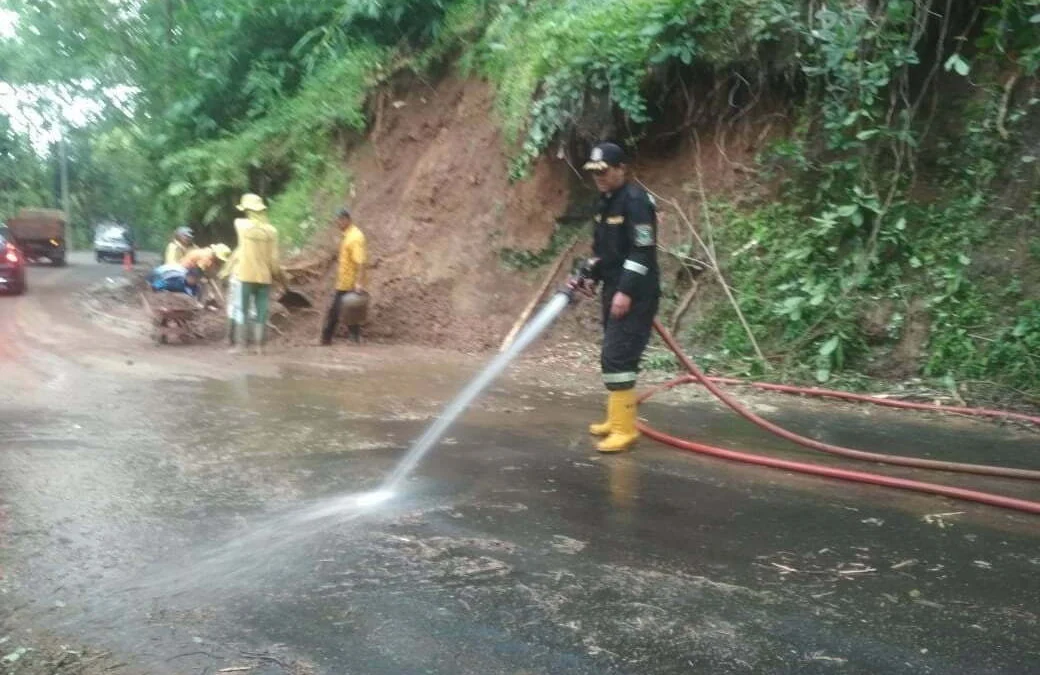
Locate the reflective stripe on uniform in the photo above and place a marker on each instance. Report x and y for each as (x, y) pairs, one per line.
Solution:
(618, 378)
(644, 235)
(633, 266)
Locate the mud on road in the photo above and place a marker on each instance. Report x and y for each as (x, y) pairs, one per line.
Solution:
(180, 510)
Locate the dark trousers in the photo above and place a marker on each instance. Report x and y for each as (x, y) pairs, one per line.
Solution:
(625, 340)
(332, 320)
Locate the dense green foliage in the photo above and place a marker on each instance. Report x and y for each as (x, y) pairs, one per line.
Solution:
(23, 179)
(230, 94)
(548, 57)
(850, 234)
(912, 123)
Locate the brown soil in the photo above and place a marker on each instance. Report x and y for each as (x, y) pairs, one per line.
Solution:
(908, 352)
(433, 196)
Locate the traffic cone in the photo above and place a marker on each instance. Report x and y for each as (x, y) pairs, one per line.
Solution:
(126, 261)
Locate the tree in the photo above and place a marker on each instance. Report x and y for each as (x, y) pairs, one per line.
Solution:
(23, 176)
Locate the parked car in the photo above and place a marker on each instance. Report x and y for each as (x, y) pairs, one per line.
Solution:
(12, 264)
(112, 241)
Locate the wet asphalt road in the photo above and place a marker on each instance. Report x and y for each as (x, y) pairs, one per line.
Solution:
(186, 509)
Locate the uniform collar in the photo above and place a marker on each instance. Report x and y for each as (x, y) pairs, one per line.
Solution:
(607, 196)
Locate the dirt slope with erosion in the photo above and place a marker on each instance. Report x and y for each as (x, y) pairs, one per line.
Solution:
(432, 192)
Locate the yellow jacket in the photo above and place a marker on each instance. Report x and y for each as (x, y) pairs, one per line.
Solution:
(255, 260)
(175, 251)
(353, 254)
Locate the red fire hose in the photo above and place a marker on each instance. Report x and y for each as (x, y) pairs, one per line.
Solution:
(843, 474)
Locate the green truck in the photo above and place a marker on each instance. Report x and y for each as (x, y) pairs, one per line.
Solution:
(40, 233)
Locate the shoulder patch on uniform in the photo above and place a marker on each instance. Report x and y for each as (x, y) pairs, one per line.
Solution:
(615, 220)
(644, 235)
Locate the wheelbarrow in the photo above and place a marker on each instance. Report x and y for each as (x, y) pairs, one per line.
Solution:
(172, 315)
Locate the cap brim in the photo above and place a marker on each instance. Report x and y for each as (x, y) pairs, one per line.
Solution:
(596, 166)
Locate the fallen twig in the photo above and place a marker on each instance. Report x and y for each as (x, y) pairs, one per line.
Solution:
(940, 518)
(560, 259)
(865, 570)
(1005, 101)
(684, 306)
(266, 657)
(197, 653)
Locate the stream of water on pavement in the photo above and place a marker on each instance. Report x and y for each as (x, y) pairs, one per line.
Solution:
(359, 502)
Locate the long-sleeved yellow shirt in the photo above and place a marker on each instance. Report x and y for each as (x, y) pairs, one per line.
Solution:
(353, 254)
(256, 257)
(175, 251)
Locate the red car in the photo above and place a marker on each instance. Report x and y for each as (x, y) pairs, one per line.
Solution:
(12, 265)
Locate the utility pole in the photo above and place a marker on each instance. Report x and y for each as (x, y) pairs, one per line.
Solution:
(64, 168)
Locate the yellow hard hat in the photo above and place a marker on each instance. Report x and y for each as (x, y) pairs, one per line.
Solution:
(221, 251)
(251, 202)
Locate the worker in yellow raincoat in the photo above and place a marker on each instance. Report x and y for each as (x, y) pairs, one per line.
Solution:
(353, 255)
(256, 264)
(182, 243)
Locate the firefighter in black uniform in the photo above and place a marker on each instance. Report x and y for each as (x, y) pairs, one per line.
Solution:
(625, 262)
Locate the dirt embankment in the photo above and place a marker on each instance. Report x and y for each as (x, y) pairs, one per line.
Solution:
(432, 193)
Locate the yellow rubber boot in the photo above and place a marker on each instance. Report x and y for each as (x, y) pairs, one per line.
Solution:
(603, 429)
(623, 432)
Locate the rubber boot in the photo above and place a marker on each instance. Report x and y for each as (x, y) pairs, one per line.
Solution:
(237, 338)
(623, 432)
(603, 428)
(260, 331)
(355, 334)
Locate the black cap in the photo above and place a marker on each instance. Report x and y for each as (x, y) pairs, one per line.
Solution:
(605, 155)
(343, 213)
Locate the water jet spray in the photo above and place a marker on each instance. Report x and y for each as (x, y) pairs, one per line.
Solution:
(579, 282)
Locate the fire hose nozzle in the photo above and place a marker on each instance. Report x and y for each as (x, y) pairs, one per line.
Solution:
(583, 278)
